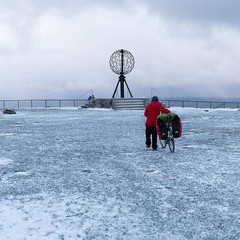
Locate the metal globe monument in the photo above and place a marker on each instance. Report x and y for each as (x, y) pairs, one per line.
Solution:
(121, 62)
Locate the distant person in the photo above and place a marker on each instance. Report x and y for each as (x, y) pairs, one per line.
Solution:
(91, 98)
(151, 112)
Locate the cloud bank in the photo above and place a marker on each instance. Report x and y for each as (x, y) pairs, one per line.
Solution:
(61, 49)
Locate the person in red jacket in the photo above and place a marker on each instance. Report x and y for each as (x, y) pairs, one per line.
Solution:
(151, 112)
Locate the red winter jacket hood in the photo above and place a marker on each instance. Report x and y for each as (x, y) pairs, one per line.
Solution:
(152, 111)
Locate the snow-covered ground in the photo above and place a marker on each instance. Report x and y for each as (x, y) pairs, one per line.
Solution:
(86, 174)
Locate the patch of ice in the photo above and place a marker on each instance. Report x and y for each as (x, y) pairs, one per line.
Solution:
(23, 173)
(5, 161)
(6, 134)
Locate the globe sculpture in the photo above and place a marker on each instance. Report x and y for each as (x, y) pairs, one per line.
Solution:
(121, 62)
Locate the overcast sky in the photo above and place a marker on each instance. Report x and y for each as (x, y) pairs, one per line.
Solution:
(61, 48)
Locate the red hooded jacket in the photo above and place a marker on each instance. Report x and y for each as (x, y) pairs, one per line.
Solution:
(152, 111)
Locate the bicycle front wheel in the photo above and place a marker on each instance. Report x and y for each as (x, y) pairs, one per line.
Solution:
(171, 144)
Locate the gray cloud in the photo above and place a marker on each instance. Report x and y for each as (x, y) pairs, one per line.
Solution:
(62, 48)
(199, 11)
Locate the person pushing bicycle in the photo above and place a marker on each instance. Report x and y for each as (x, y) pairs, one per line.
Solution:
(152, 111)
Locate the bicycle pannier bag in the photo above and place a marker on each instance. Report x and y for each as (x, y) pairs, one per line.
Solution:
(161, 129)
(177, 127)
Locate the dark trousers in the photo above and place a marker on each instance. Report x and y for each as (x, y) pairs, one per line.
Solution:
(151, 132)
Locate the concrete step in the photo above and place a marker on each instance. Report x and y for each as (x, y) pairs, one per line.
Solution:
(129, 103)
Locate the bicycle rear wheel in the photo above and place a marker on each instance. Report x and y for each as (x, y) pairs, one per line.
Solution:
(171, 144)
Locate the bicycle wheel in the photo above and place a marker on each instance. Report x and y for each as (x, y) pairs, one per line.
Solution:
(171, 144)
(163, 143)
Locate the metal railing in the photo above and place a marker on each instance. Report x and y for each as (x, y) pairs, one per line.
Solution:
(61, 103)
(195, 103)
(41, 103)
(201, 103)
